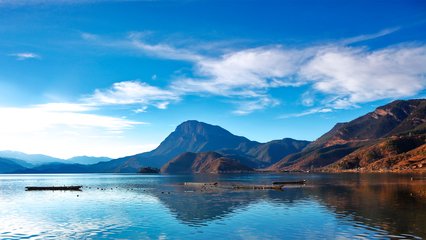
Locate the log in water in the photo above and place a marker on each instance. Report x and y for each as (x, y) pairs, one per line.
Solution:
(289, 182)
(54, 188)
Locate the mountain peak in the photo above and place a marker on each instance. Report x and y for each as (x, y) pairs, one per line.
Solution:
(195, 136)
(194, 127)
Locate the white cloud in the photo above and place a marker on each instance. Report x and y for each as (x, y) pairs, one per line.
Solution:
(347, 76)
(249, 106)
(141, 109)
(163, 50)
(131, 93)
(254, 69)
(307, 112)
(366, 37)
(246, 75)
(89, 36)
(336, 76)
(64, 130)
(24, 55)
(356, 75)
(44, 117)
(308, 99)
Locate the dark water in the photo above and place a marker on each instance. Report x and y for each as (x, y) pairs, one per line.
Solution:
(330, 206)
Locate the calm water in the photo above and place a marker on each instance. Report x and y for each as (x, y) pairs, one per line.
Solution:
(330, 206)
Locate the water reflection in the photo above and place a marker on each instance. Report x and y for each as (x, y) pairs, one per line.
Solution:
(386, 203)
(135, 206)
(395, 204)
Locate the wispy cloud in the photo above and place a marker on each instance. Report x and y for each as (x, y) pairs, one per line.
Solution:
(162, 50)
(306, 113)
(249, 106)
(25, 55)
(132, 93)
(342, 75)
(367, 37)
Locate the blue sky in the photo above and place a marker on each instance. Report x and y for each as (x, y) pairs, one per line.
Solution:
(114, 78)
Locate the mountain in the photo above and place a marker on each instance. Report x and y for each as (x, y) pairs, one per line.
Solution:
(21, 162)
(273, 151)
(196, 137)
(57, 168)
(206, 162)
(190, 136)
(10, 166)
(35, 159)
(393, 153)
(31, 160)
(396, 119)
(87, 159)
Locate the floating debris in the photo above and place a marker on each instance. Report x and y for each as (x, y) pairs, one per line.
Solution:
(206, 186)
(54, 188)
(290, 182)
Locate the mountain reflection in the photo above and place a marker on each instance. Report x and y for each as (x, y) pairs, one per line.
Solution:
(197, 208)
(395, 204)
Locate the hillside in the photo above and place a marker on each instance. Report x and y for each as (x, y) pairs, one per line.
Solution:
(10, 166)
(398, 118)
(393, 153)
(35, 159)
(206, 162)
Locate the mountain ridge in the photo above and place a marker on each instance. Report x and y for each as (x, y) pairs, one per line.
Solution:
(392, 137)
(195, 136)
(396, 118)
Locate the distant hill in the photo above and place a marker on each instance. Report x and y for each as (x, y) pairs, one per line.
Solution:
(87, 160)
(57, 168)
(397, 119)
(10, 166)
(39, 163)
(29, 160)
(206, 162)
(35, 159)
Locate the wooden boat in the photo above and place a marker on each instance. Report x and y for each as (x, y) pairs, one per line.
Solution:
(289, 182)
(54, 188)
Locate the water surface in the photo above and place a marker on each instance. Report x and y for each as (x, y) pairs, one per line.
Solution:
(120, 206)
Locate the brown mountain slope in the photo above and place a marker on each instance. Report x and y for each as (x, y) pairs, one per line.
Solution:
(206, 162)
(391, 119)
(394, 119)
(393, 153)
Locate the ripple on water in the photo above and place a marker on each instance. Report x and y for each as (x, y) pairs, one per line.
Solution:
(135, 207)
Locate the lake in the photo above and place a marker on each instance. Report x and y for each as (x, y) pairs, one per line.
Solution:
(126, 206)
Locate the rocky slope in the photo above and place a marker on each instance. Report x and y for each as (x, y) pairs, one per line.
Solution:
(397, 119)
(393, 153)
